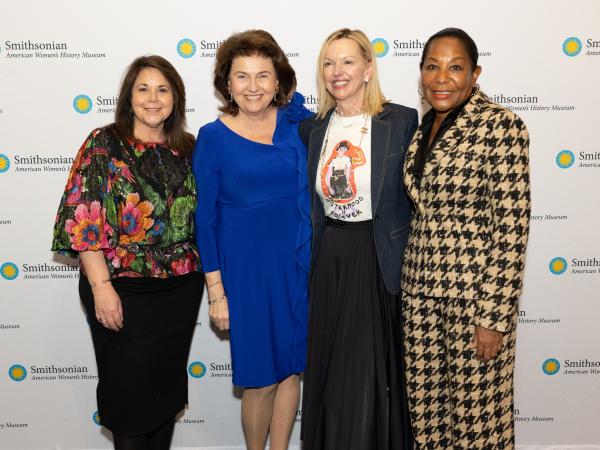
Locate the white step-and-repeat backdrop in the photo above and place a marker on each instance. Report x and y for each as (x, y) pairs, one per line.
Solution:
(60, 67)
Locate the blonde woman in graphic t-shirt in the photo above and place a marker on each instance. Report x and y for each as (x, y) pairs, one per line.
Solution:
(353, 387)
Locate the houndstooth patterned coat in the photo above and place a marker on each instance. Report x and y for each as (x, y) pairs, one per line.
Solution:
(469, 231)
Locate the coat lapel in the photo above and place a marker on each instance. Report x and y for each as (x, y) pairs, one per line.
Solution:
(380, 142)
(409, 179)
(455, 135)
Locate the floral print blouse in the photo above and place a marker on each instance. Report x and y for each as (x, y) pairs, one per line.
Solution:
(133, 201)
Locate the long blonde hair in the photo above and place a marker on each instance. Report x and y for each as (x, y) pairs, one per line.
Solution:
(374, 98)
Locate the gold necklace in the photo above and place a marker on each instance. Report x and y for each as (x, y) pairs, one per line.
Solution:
(363, 130)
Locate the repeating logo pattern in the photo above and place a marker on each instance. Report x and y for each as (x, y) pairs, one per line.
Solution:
(197, 369)
(572, 46)
(551, 366)
(17, 372)
(82, 104)
(565, 159)
(186, 48)
(9, 271)
(4, 163)
(380, 47)
(558, 265)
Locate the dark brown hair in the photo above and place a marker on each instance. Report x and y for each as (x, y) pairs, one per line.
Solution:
(251, 43)
(174, 128)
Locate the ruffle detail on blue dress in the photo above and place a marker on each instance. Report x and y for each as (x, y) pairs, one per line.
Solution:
(294, 112)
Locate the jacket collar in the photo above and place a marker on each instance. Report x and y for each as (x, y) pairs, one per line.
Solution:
(450, 139)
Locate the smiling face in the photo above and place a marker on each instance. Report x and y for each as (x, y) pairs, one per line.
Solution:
(152, 103)
(345, 71)
(447, 76)
(253, 82)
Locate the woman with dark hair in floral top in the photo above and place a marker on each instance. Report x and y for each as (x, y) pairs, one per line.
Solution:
(127, 211)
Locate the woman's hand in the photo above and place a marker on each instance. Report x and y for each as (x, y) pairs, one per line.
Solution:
(109, 310)
(487, 343)
(219, 314)
(218, 311)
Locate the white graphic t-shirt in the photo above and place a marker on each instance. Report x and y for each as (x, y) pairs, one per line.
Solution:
(344, 177)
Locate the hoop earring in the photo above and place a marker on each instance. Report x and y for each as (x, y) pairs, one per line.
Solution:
(230, 99)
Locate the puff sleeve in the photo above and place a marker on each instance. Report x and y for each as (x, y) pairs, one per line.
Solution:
(86, 217)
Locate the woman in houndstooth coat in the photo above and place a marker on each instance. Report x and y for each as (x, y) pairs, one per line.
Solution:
(467, 174)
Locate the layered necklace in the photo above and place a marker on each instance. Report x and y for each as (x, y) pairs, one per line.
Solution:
(346, 122)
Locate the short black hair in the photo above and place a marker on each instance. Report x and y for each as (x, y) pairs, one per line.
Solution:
(455, 33)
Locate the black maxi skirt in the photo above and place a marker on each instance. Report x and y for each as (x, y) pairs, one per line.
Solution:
(354, 394)
(142, 374)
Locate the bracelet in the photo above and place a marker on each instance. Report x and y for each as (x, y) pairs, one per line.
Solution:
(216, 283)
(212, 301)
(93, 284)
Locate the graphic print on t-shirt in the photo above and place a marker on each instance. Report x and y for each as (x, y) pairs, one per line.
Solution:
(337, 174)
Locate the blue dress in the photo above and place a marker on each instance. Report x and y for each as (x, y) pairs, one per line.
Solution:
(253, 224)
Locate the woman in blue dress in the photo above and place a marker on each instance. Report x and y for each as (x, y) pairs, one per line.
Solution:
(254, 230)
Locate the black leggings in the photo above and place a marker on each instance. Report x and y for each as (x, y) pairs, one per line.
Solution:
(159, 439)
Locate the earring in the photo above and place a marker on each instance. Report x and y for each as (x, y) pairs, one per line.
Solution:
(475, 87)
(275, 94)
(420, 91)
(230, 95)
(366, 81)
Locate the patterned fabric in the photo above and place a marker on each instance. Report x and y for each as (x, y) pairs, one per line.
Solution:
(456, 401)
(463, 268)
(133, 201)
(469, 231)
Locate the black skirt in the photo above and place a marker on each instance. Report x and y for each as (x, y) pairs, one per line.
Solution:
(142, 374)
(354, 392)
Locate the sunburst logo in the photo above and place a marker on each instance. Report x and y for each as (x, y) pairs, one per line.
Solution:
(17, 372)
(197, 369)
(572, 46)
(551, 366)
(380, 47)
(9, 271)
(565, 159)
(558, 265)
(4, 163)
(82, 104)
(186, 48)
(96, 418)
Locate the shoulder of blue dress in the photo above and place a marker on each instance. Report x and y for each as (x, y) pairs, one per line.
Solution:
(210, 126)
(295, 111)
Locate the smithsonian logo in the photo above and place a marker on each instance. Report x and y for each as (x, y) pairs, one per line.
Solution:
(83, 104)
(197, 369)
(17, 372)
(186, 48)
(9, 271)
(573, 46)
(581, 366)
(579, 266)
(565, 159)
(49, 372)
(4, 163)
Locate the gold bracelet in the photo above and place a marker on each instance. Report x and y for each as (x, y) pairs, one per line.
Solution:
(93, 284)
(216, 283)
(212, 301)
